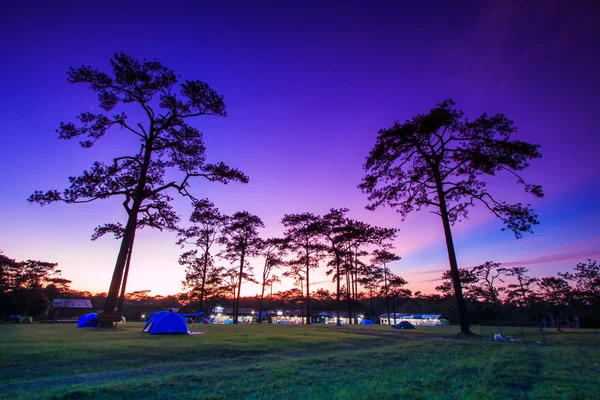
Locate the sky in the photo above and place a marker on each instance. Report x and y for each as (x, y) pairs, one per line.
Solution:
(307, 86)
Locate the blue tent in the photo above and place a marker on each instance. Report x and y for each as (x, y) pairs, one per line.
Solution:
(165, 322)
(366, 322)
(404, 325)
(88, 321)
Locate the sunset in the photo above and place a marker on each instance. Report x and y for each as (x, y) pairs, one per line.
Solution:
(460, 138)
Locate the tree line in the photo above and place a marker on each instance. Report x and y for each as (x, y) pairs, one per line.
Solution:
(500, 290)
(492, 293)
(28, 287)
(308, 240)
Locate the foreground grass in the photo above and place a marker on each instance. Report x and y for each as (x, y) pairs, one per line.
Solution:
(303, 362)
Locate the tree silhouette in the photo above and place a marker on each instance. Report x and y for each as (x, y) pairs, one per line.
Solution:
(555, 291)
(486, 287)
(240, 238)
(467, 279)
(333, 227)
(208, 222)
(440, 160)
(587, 281)
(358, 235)
(384, 257)
(371, 278)
(166, 141)
(272, 250)
(396, 285)
(27, 283)
(521, 292)
(303, 235)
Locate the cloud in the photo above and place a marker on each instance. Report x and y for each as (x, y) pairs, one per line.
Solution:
(577, 255)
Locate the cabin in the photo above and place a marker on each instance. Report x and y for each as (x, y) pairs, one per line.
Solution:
(69, 309)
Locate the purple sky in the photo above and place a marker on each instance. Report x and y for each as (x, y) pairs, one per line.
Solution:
(307, 85)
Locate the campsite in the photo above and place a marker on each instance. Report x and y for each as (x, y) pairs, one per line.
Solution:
(341, 199)
(256, 361)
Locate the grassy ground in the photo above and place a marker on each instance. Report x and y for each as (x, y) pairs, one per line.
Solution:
(292, 362)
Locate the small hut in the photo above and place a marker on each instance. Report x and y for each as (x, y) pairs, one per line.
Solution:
(69, 309)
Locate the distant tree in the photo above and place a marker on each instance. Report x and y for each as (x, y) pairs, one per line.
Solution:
(291, 297)
(371, 278)
(8, 266)
(213, 284)
(467, 278)
(56, 287)
(202, 278)
(208, 222)
(139, 295)
(383, 257)
(333, 227)
(555, 291)
(322, 295)
(230, 282)
(27, 284)
(166, 141)
(486, 287)
(587, 281)
(520, 293)
(397, 290)
(303, 234)
(360, 236)
(240, 237)
(272, 250)
(441, 160)
(271, 281)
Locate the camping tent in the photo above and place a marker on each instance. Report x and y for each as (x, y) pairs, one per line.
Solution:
(88, 321)
(165, 322)
(366, 322)
(404, 325)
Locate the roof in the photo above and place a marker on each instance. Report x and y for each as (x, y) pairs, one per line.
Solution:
(412, 316)
(242, 310)
(71, 303)
(331, 314)
(323, 314)
(398, 315)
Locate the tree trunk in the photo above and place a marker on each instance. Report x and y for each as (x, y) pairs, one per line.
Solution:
(523, 293)
(262, 298)
(372, 305)
(307, 293)
(393, 309)
(124, 285)
(236, 307)
(355, 277)
(387, 297)
(460, 301)
(204, 270)
(302, 300)
(349, 295)
(129, 235)
(117, 278)
(338, 322)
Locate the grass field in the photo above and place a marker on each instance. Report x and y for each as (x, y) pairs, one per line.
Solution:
(265, 361)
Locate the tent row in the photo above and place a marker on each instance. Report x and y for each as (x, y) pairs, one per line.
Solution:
(160, 322)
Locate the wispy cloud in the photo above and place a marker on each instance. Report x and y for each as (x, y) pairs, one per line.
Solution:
(576, 255)
(579, 255)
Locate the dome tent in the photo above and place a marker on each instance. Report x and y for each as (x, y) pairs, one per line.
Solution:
(88, 321)
(166, 322)
(366, 322)
(404, 325)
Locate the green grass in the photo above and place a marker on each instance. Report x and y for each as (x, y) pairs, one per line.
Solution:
(292, 362)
